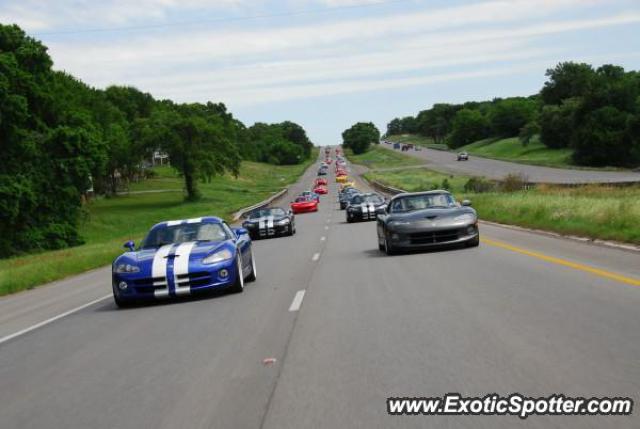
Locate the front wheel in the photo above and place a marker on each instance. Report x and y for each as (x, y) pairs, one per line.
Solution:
(254, 272)
(388, 247)
(475, 242)
(120, 302)
(238, 285)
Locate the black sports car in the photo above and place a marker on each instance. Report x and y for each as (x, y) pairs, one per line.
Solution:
(365, 206)
(426, 219)
(270, 222)
(345, 195)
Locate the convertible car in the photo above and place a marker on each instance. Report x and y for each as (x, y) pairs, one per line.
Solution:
(270, 222)
(365, 206)
(182, 257)
(426, 219)
(304, 204)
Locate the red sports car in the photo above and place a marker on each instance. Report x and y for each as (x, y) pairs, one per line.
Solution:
(321, 182)
(322, 190)
(304, 205)
(341, 173)
(328, 161)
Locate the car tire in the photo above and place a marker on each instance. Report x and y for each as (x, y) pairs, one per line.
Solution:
(120, 303)
(388, 247)
(475, 242)
(238, 285)
(254, 272)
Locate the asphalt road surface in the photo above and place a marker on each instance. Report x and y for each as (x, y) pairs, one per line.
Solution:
(342, 327)
(446, 162)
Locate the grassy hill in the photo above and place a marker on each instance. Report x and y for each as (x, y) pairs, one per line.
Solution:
(378, 157)
(510, 149)
(109, 222)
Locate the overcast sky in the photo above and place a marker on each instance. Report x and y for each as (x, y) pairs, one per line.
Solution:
(328, 63)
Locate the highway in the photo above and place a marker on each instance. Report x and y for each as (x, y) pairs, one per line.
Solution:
(342, 327)
(446, 162)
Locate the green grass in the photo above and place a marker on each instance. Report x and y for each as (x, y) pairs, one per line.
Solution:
(590, 211)
(511, 149)
(593, 211)
(378, 157)
(414, 180)
(109, 222)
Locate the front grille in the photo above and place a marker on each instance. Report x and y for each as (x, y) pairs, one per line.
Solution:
(438, 236)
(196, 279)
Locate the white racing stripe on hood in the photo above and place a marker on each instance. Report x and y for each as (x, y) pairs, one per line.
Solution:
(270, 222)
(372, 208)
(261, 222)
(364, 208)
(181, 267)
(159, 269)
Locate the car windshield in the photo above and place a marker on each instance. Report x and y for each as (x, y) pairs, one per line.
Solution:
(184, 232)
(373, 199)
(302, 199)
(257, 214)
(420, 202)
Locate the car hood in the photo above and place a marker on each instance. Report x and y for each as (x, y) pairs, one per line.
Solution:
(200, 249)
(265, 218)
(432, 214)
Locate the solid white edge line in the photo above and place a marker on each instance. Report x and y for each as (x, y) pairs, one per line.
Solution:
(52, 319)
(297, 300)
(326, 227)
(316, 256)
(323, 238)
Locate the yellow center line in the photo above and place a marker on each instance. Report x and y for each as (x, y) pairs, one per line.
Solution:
(564, 262)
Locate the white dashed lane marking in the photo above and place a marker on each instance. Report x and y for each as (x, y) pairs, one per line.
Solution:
(297, 301)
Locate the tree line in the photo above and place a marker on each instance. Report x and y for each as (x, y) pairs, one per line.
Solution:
(593, 111)
(60, 137)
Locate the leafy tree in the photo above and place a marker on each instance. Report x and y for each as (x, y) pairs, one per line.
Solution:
(528, 132)
(394, 127)
(508, 116)
(468, 126)
(557, 123)
(195, 138)
(601, 139)
(567, 80)
(359, 137)
(437, 122)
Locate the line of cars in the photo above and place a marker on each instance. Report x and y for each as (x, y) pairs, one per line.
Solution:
(416, 220)
(189, 256)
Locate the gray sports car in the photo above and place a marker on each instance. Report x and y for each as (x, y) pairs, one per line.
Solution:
(426, 219)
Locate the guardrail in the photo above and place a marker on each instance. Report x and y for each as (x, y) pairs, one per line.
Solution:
(237, 215)
(386, 189)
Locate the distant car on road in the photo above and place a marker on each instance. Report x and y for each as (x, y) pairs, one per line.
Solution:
(321, 190)
(396, 145)
(183, 257)
(365, 206)
(463, 156)
(304, 204)
(311, 195)
(345, 195)
(426, 219)
(270, 222)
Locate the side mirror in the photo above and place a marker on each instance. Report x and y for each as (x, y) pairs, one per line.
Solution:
(129, 245)
(240, 232)
(466, 203)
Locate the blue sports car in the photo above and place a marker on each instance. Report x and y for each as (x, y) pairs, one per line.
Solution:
(182, 257)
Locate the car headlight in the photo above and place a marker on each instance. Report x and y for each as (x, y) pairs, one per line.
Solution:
(219, 256)
(464, 218)
(127, 268)
(283, 222)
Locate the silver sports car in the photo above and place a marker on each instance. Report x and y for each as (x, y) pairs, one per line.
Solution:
(426, 219)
